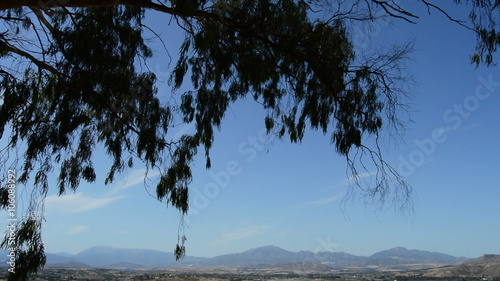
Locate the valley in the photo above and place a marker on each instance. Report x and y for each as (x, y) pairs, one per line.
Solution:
(266, 263)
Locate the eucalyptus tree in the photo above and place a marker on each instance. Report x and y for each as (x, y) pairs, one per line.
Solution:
(82, 82)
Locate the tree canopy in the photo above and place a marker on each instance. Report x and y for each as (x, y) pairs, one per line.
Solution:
(83, 82)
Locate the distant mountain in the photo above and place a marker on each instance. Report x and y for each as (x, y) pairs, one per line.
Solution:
(486, 265)
(262, 255)
(267, 252)
(59, 259)
(63, 254)
(276, 255)
(402, 254)
(101, 256)
(109, 257)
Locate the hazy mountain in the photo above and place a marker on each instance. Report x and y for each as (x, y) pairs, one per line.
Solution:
(486, 265)
(63, 254)
(276, 255)
(102, 256)
(262, 255)
(401, 254)
(56, 258)
(332, 258)
(109, 257)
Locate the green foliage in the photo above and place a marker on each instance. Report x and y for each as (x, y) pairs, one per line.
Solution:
(29, 250)
(485, 16)
(96, 97)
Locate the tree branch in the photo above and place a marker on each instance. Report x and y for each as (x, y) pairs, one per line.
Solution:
(430, 5)
(394, 10)
(40, 64)
(11, 4)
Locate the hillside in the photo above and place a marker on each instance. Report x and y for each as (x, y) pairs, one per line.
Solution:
(484, 259)
(486, 265)
(109, 257)
(395, 257)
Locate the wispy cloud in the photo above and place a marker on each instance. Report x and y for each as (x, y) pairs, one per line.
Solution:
(342, 184)
(77, 229)
(358, 177)
(322, 201)
(242, 233)
(76, 203)
(134, 178)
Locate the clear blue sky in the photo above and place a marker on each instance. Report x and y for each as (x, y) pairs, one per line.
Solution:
(262, 191)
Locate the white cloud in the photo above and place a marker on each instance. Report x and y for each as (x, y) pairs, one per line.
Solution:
(322, 201)
(357, 178)
(134, 178)
(76, 203)
(77, 229)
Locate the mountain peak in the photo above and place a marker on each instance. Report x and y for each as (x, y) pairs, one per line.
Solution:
(398, 249)
(267, 249)
(403, 253)
(97, 250)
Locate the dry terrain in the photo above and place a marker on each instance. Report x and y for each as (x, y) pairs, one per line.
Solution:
(236, 274)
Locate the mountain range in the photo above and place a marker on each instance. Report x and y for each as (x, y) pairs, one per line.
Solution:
(109, 257)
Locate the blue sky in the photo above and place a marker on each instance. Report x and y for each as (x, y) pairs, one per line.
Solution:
(264, 191)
